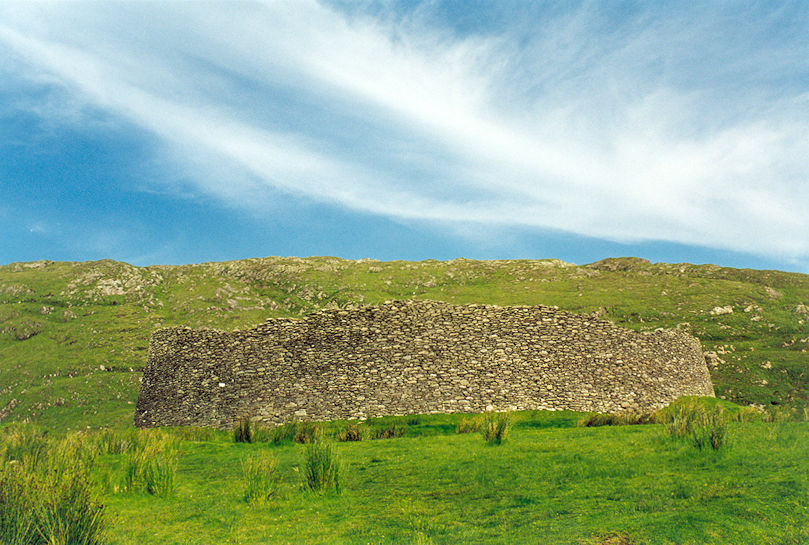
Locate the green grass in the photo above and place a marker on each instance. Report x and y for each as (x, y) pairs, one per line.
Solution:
(74, 338)
(550, 482)
(90, 322)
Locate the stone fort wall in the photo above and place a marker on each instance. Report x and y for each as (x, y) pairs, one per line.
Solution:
(410, 357)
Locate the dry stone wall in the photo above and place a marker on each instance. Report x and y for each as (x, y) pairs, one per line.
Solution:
(410, 357)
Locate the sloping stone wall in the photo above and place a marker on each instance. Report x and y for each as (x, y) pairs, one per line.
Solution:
(409, 357)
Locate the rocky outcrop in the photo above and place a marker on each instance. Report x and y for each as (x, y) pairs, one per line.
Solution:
(414, 357)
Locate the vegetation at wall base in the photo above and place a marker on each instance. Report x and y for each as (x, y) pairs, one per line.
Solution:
(243, 431)
(470, 424)
(705, 427)
(495, 427)
(353, 431)
(615, 419)
(387, 431)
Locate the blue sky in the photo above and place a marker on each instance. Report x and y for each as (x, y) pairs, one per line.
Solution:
(187, 132)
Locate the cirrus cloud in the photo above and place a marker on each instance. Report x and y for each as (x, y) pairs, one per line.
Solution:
(667, 123)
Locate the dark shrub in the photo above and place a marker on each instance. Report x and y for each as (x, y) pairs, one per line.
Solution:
(354, 431)
(242, 431)
(389, 431)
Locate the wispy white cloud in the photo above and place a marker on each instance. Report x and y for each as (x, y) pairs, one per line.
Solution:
(687, 125)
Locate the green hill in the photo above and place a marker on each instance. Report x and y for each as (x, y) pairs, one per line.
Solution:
(74, 336)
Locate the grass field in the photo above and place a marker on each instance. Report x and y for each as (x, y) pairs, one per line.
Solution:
(549, 482)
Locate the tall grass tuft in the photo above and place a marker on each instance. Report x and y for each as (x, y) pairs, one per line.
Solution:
(113, 442)
(704, 428)
(278, 434)
(46, 494)
(321, 467)
(470, 425)
(710, 430)
(776, 415)
(495, 427)
(747, 414)
(307, 432)
(193, 433)
(413, 420)
(75, 449)
(388, 431)
(24, 443)
(158, 474)
(261, 477)
(19, 493)
(298, 432)
(151, 465)
(69, 514)
(353, 431)
(242, 431)
(679, 420)
(615, 419)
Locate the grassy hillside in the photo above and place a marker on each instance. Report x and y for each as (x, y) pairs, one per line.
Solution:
(74, 336)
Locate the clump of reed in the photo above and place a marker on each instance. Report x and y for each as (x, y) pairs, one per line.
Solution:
(353, 431)
(194, 433)
(746, 414)
(276, 435)
(615, 419)
(151, 465)
(321, 468)
(705, 428)
(46, 494)
(495, 427)
(413, 420)
(261, 478)
(69, 512)
(294, 432)
(19, 502)
(113, 442)
(470, 424)
(710, 430)
(387, 431)
(24, 443)
(307, 432)
(243, 430)
(777, 415)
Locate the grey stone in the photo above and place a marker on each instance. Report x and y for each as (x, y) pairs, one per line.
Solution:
(411, 357)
